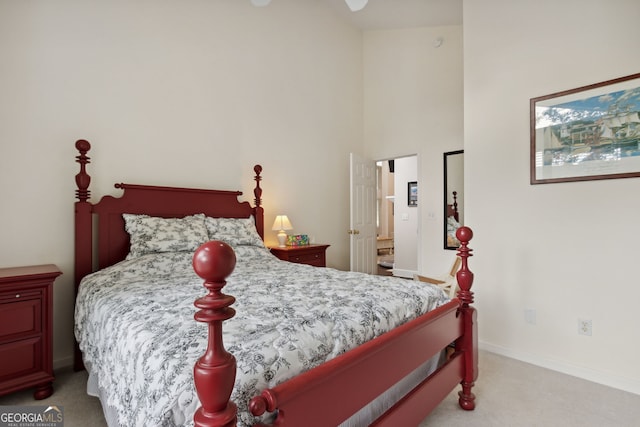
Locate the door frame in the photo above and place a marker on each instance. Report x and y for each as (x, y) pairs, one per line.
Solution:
(404, 272)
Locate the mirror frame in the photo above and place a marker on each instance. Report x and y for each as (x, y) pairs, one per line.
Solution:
(446, 193)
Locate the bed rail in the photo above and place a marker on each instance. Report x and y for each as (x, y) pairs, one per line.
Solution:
(330, 393)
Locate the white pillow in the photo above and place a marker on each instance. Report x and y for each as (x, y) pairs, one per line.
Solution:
(150, 234)
(234, 231)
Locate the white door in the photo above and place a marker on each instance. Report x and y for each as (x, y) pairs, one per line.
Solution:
(363, 214)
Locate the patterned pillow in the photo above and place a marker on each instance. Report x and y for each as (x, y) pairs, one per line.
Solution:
(234, 231)
(253, 253)
(150, 234)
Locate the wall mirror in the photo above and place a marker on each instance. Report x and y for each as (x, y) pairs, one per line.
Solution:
(453, 197)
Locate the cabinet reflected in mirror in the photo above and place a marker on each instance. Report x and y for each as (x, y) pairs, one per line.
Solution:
(453, 197)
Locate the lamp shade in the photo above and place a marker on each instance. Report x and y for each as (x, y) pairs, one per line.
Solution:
(281, 223)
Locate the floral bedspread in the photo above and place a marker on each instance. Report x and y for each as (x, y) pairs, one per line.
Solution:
(134, 323)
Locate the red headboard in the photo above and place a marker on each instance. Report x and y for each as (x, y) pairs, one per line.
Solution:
(168, 202)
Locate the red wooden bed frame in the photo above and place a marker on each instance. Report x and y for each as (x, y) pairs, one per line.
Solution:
(452, 209)
(323, 396)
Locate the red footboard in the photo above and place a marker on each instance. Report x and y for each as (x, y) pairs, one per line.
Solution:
(333, 391)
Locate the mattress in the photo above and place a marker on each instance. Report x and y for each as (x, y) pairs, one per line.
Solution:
(134, 325)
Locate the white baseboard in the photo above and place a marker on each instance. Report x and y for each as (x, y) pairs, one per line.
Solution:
(407, 274)
(592, 375)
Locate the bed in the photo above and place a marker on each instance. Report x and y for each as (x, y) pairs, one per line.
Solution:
(152, 364)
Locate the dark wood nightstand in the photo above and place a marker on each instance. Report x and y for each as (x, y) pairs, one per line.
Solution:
(307, 254)
(26, 329)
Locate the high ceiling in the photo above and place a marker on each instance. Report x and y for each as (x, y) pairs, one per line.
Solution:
(394, 14)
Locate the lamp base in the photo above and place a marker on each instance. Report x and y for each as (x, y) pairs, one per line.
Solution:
(282, 239)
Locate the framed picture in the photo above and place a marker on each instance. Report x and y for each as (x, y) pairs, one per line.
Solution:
(592, 132)
(412, 193)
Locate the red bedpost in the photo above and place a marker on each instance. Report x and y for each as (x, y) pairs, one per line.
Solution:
(83, 259)
(456, 215)
(214, 373)
(468, 343)
(257, 192)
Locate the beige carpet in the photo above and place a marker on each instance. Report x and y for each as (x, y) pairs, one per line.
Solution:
(69, 391)
(508, 393)
(512, 393)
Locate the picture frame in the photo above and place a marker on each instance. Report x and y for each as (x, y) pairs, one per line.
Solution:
(297, 240)
(587, 133)
(412, 193)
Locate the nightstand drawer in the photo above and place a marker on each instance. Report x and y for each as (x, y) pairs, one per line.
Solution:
(20, 318)
(19, 295)
(316, 259)
(20, 358)
(312, 254)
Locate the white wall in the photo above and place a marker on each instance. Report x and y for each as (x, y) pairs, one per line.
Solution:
(406, 219)
(566, 250)
(188, 93)
(414, 105)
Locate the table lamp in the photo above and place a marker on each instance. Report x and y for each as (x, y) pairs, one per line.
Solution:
(280, 225)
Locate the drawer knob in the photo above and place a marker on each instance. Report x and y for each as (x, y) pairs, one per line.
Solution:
(17, 295)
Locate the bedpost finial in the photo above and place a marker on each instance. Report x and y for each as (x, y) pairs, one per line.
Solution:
(214, 261)
(464, 275)
(82, 178)
(464, 234)
(82, 145)
(257, 192)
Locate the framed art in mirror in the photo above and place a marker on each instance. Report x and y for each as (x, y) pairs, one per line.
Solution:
(453, 197)
(591, 132)
(412, 193)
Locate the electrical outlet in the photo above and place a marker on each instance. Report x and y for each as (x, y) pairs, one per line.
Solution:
(584, 327)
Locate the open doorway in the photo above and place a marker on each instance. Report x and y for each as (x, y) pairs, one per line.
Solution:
(385, 216)
(397, 216)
